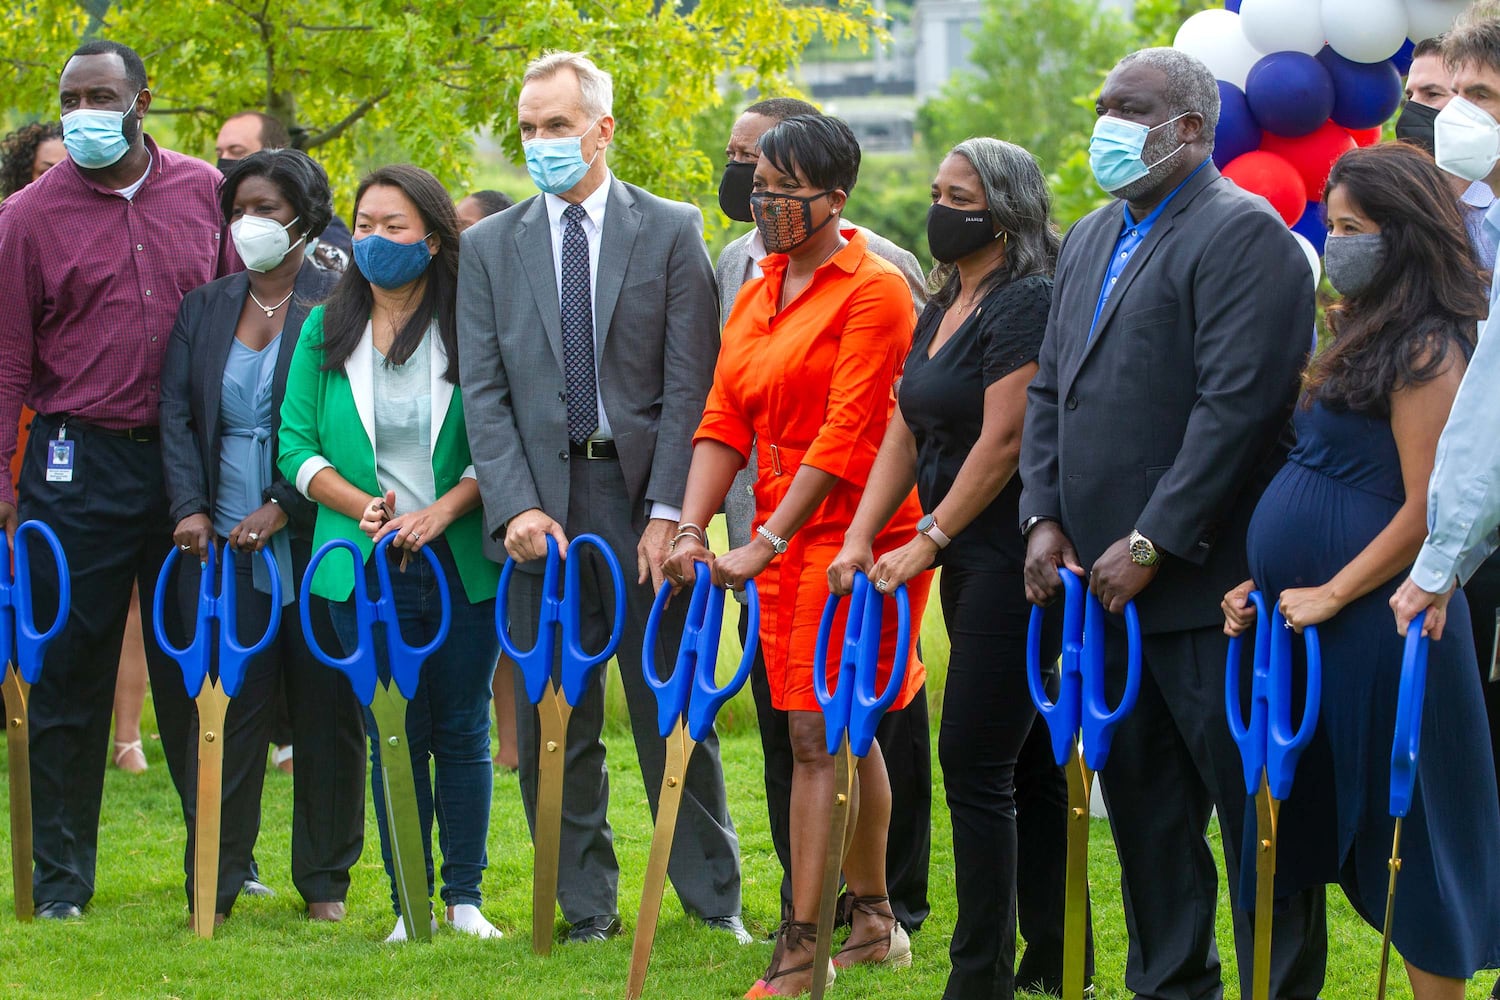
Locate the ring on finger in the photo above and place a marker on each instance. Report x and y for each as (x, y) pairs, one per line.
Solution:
(253, 536)
(882, 585)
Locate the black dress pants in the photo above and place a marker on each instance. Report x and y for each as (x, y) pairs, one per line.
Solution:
(1172, 764)
(113, 523)
(328, 811)
(905, 738)
(992, 746)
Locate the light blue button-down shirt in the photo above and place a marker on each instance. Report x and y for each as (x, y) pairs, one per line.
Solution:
(1463, 496)
(1474, 205)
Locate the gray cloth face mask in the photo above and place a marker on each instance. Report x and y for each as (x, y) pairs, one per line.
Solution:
(1353, 261)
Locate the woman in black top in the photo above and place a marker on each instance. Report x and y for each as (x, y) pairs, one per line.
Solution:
(957, 436)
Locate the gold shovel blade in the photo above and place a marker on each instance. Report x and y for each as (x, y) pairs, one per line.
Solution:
(1390, 910)
(17, 737)
(553, 713)
(1267, 810)
(833, 866)
(403, 824)
(679, 752)
(213, 705)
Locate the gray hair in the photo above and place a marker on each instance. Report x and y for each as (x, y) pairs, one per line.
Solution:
(1017, 197)
(596, 88)
(1191, 86)
(1475, 39)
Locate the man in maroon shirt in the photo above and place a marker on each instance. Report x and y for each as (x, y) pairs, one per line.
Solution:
(95, 257)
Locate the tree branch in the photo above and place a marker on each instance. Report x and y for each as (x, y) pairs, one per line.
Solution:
(344, 124)
(187, 109)
(302, 26)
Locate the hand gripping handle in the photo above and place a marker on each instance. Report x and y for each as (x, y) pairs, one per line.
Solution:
(1409, 701)
(28, 643)
(1065, 715)
(855, 707)
(406, 660)
(1250, 734)
(535, 663)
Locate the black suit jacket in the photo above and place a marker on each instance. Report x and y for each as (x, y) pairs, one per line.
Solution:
(192, 382)
(1170, 419)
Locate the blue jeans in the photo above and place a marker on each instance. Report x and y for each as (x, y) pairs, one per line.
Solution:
(447, 722)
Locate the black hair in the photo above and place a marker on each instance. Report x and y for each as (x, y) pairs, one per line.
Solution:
(301, 180)
(492, 202)
(348, 308)
(781, 108)
(821, 147)
(18, 154)
(273, 134)
(135, 70)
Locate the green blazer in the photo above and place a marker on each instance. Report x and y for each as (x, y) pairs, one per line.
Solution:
(328, 421)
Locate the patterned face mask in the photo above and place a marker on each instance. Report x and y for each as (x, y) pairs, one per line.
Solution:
(785, 220)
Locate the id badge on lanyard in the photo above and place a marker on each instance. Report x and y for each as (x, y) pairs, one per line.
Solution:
(60, 457)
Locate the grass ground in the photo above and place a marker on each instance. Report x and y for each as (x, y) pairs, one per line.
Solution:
(134, 942)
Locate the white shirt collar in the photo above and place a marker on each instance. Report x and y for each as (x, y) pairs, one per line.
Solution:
(594, 205)
(1478, 195)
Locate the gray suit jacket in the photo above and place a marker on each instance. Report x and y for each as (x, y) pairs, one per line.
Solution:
(1170, 418)
(656, 340)
(732, 271)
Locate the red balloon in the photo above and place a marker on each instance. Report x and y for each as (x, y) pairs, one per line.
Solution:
(1312, 155)
(1274, 179)
(1366, 136)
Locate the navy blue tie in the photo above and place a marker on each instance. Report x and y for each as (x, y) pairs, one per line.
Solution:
(578, 329)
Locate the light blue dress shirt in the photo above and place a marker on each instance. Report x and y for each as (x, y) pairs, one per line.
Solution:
(1475, 205)
(1463, 496)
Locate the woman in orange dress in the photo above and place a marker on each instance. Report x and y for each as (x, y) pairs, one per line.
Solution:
(806, 376)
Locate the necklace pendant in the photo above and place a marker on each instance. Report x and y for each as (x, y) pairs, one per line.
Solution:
(270, 313)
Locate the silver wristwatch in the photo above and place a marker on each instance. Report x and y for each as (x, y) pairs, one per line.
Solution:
(778, 544)
(1142, 552)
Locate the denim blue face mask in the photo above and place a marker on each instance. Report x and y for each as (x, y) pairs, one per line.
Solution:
(96, 139)
(556, 165)
(388, 264)
(1115, 151)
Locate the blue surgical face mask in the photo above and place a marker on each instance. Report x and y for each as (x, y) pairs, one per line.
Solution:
(388, 264)
(96, 139)
(1115, 151)
(556, 165)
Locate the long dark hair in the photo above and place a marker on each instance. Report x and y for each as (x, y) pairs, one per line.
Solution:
(18, 154)
(348, 308)
(1018, 198)
(1426, 298)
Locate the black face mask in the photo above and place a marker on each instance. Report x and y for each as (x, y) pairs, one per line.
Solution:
(224, 163)
(1415, 125)
(953, 234)
(734, 191)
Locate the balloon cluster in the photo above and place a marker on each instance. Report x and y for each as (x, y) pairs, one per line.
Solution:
(1301, 82)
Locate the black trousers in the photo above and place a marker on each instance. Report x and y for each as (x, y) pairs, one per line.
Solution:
(328, 810)
(906, 741)
(1483, 592)
(1173, 763)
(113, 523)
(1007, 795)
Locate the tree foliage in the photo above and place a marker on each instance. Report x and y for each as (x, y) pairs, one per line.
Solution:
(351, 79)
(1038, 65)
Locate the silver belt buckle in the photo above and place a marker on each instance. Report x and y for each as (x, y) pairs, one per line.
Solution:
(776, 469)
(589, 445)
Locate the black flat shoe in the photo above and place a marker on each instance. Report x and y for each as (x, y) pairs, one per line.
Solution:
(592, 929)
(59, 909)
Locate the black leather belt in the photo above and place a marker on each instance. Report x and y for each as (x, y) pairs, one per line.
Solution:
(593, 450)
(142, 434)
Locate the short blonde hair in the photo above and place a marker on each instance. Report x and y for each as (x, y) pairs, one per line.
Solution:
(596, 87)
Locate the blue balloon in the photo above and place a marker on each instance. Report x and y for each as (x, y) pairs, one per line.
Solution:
(1402, 59)
(1365, 94)
(1290, 93)
(1311, 226)
(1233, 5)
(1237, 132)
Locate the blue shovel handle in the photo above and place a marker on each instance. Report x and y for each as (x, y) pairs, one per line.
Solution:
(234, 657)
(28, 644)
(1063, 716)
(195, 657)
(358, 666)
(406, 660)
(1409, 701)
(854, 707)
(1099, 720)
(577, 664)
(535, 663)
(1284, 745)
(1249, 734)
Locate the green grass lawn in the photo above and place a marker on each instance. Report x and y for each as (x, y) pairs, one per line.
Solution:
(134, 941)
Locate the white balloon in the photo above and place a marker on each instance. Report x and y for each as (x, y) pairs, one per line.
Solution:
(1214, 36)
(1283, 25)
(1312, 256)
(1430, 18)
(1365, 31)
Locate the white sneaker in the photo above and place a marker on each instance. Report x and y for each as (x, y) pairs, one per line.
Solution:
(398, 935)
(466, 918)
